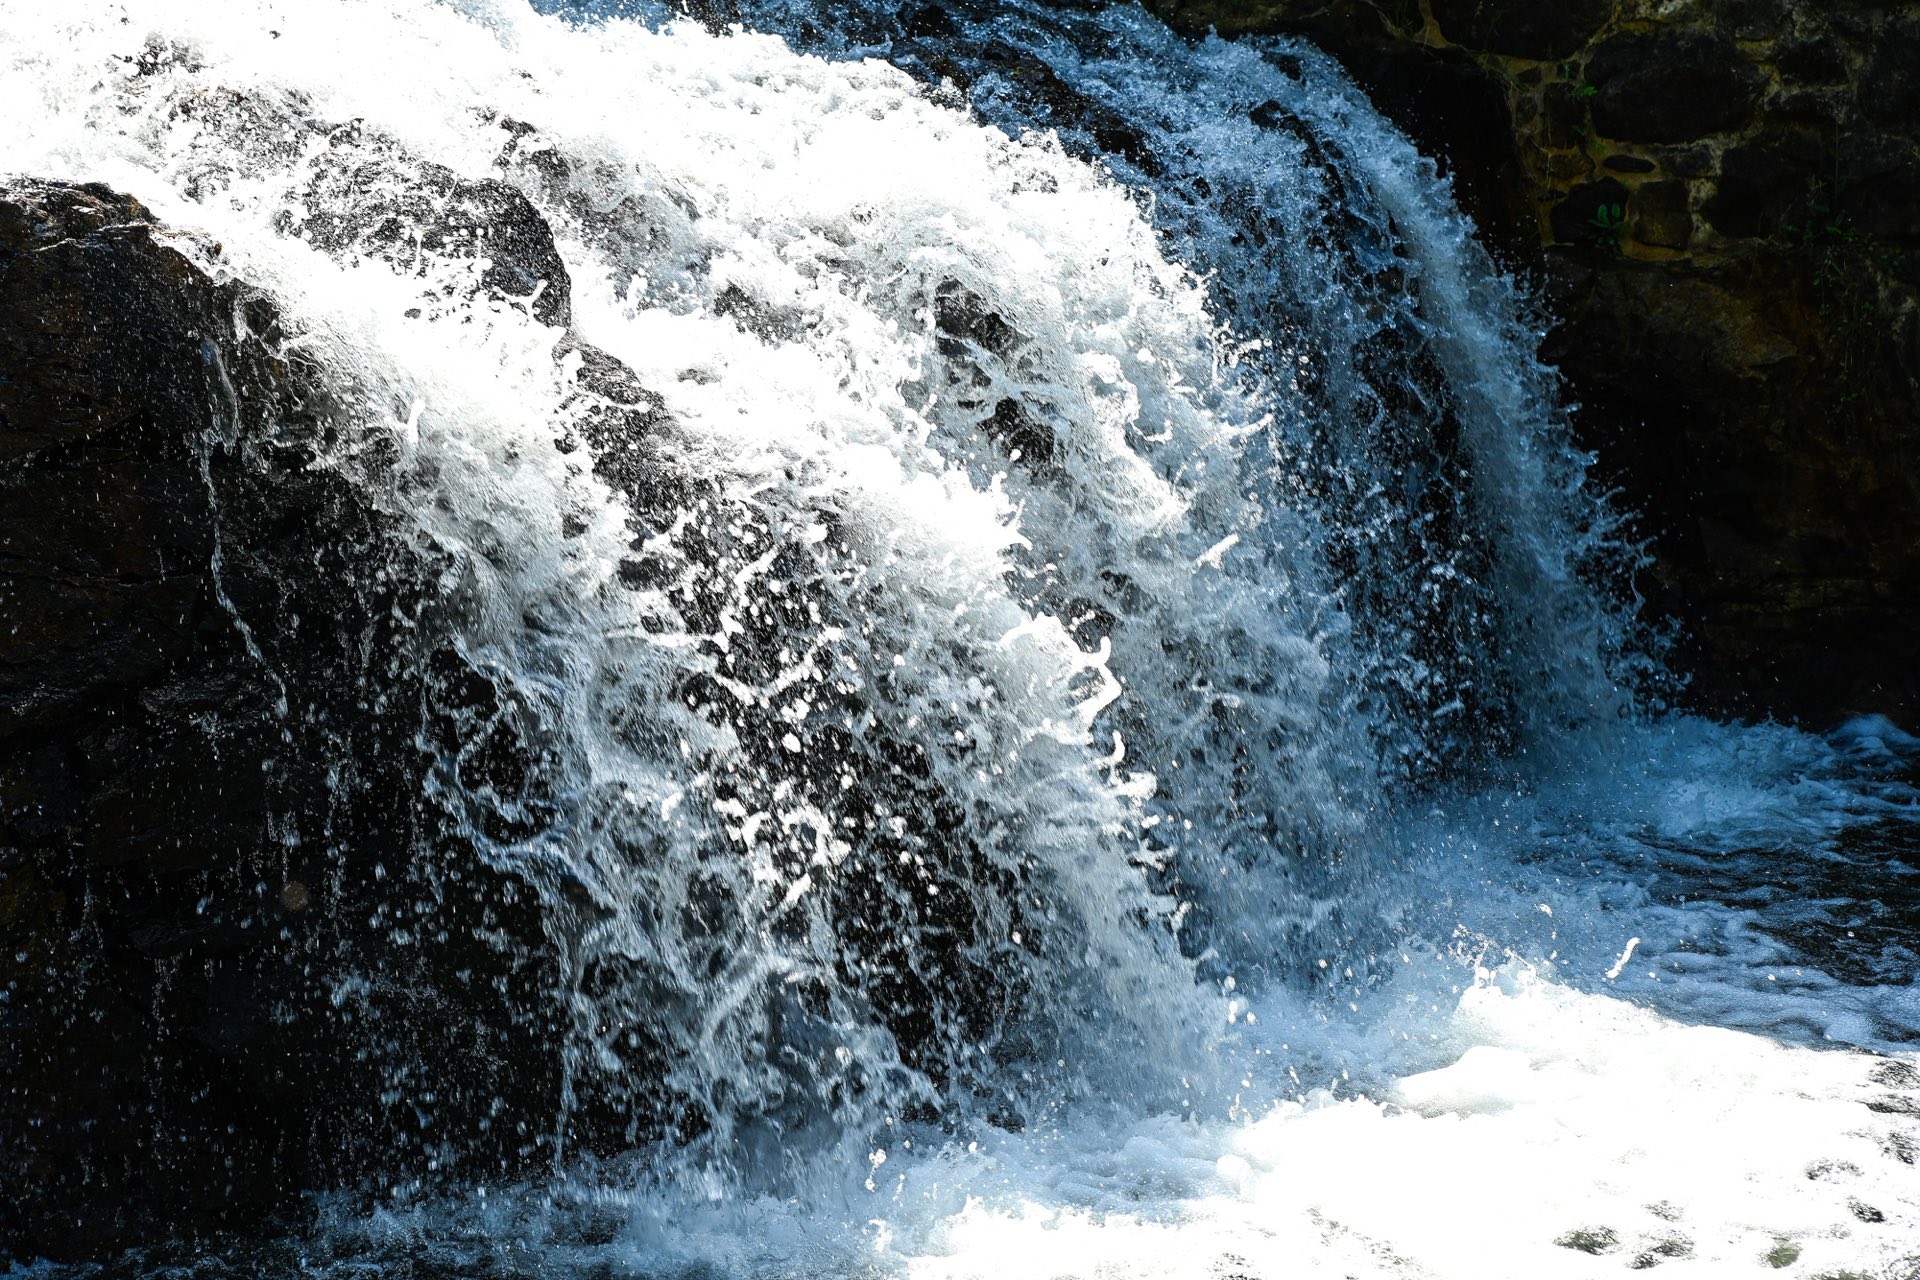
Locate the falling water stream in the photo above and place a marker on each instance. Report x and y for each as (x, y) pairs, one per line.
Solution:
(1089, 720)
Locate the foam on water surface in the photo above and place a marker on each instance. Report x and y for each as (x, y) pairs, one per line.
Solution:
(1335, 899)
(1568, 1133)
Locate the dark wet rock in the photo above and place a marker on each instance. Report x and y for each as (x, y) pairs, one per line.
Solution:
(1594, 1240)
(915, 945)
(1811, 61)
(1832, 1170)
(411, 213)
(1740, 406)
(1661, 1250)
(260, 133)
(1890, 84)
(1267, 115)
(1753, 19)
(763, 320)
(1660, 87)
(352, 190)
(1563, 118)
(928, 20)
(1875, 191)
(1689, 161)
(1760, 189)
(1895, 1074)
(1865, 1212)
(1808, 106)
(230, 975)
(1661, 216)
(1521, 28)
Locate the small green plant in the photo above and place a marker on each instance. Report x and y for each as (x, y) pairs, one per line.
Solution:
(1609, 223)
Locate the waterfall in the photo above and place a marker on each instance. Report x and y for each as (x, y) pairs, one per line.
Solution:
(997, 540)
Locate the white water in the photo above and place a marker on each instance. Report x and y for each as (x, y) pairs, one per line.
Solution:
(1245, 787)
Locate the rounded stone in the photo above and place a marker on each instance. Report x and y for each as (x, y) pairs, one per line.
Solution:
(1671, 87)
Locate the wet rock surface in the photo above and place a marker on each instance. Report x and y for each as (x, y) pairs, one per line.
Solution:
(1717, 203)
(410, 214)
(228, 966)
(250, 779)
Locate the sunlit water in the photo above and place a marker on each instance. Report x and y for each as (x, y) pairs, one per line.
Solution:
(1147, 716)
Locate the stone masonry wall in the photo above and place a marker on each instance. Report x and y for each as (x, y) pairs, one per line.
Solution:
(1720, 203)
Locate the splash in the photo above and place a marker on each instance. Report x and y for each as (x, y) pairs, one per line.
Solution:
(1053, 667)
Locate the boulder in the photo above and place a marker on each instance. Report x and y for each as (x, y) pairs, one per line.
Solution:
(240, 940)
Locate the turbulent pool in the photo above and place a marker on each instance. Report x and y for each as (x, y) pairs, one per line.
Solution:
(1094, 724)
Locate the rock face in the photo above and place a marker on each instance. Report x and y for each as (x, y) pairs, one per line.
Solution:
(1721, 205)
(249, 782)
(230, 974)
(411, 213)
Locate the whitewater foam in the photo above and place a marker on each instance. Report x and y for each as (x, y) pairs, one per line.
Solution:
(1114, 760)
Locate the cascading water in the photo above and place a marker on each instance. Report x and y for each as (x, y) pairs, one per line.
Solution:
(1047, 642)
